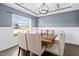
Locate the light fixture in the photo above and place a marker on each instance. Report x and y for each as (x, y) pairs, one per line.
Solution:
(43, 9)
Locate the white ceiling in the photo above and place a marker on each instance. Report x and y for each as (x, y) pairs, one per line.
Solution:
(33, 8)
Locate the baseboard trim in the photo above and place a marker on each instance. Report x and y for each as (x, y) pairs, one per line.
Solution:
(9, 48)
(72, 44)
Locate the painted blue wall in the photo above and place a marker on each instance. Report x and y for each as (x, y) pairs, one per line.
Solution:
(6, 18)
(67, 19)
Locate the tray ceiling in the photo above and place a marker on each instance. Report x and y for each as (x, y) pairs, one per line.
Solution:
(33, 8)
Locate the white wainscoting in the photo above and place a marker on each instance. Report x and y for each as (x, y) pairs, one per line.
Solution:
(72, 33)
(6, 38)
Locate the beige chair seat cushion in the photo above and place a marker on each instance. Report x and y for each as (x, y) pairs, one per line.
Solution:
(56, 42)
(53, 49)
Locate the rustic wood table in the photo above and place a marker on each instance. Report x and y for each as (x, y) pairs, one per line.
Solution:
(48, 40)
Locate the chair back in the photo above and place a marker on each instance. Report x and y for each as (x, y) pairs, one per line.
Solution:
(61, 43)
(22, 40)
(34, 43)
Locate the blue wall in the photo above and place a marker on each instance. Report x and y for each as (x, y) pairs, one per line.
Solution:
(6, 18)
(67, 19)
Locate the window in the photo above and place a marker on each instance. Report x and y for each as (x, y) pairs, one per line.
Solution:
(20, 23)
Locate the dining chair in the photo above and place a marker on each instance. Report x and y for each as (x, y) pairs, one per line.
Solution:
(34, 44)
(43, 32)
(58, 45)
(22, 42)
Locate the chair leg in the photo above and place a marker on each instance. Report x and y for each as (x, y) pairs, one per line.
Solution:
(19, 51)
(28, 53)
(31, 53)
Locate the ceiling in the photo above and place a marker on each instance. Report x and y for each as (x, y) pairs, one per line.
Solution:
(33, 8)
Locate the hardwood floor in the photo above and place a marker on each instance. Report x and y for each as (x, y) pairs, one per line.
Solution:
(10, 52)
(70, 50)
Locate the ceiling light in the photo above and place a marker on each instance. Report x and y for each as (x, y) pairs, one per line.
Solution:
(43, 9)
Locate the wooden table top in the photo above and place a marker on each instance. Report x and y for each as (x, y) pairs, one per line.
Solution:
(48, 39)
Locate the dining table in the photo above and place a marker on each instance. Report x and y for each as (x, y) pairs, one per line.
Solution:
(48, 39)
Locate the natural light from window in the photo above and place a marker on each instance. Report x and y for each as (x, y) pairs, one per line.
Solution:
(20, 23)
